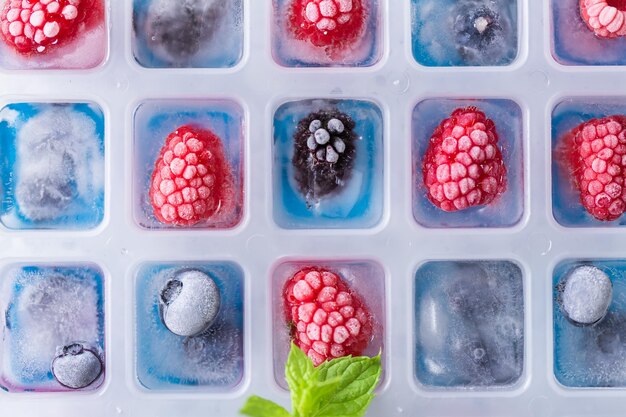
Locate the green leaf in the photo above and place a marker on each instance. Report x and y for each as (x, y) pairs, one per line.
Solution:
(358, 378)
(260, 407)
(314, 396)
(300, 374)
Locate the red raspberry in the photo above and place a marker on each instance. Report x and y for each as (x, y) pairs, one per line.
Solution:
(191, 181)
(597, 157)
(329, 320)
(34, 25)
(606, 18)
(328, 23)
(463, 166)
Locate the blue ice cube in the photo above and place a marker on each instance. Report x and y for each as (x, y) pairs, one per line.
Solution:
(212, 361)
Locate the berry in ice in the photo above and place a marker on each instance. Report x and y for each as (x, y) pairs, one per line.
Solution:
(37, 25)
(192, 180)
(463, 166)
(324, 153)
(595, 154)
(333, 24)
(328, 319)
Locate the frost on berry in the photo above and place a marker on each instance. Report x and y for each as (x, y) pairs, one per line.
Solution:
(192, 180)
(324, 153)
(335, 24)
(606, 18)
(328, 320)
(177, 31)
(463, 165)
(34, 26)
(596, 156)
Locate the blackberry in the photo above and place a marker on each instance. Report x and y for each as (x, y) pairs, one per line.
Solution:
(324, 153)
(177, 30)
(477, 28)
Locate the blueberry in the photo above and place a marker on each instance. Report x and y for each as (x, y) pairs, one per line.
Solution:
(76, 366)
(478, 28)
(190, 302)
(324, 152)
(585, 295)
(178, 30)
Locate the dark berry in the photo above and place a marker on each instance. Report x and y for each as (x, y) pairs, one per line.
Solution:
(324, 153)
(177, 30)
(477, 28)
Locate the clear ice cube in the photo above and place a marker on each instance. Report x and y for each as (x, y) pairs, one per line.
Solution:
(469, 324)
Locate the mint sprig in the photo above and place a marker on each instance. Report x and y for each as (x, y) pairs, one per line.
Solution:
(343, 387)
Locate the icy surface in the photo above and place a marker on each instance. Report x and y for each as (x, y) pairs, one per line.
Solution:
(210, 361)
(464, 32)
(507, 209)
(188, 33)
(591, 356)
(59, 160)
(54, 165)
(469, 324)
(48, 308)
(357, 204)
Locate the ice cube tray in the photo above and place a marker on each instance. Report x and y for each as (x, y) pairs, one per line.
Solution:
(543, 78)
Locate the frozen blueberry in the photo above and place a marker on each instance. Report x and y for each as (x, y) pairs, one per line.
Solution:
(324, 153)
(190, 303)
(178, 30)
(585, 295)
(76, 367)
(477, 27)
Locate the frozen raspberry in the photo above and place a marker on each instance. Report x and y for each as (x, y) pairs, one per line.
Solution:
(191, 181)
(463, 166)
(328, 23)
(329, 320)
(35, 25)
(606, 18)
(324, 153)
(597, 157)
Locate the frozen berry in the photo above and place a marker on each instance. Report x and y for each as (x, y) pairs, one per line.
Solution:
(190, 303)
(606, 18)
(76, 366)
(191, 181)
(328, 319)
(585, 295)
(336, 24)
(36, 25)
(597, 162)
(463, 166)
(476, 28)
(178, 30)
(324, 153)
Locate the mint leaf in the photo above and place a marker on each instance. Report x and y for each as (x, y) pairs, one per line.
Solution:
(343, 387)
(358, 378)
(260, 407)
(314, 396)
(300, 374)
